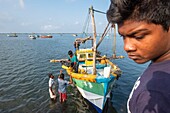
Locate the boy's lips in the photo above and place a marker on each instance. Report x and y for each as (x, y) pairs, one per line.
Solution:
(133, 56)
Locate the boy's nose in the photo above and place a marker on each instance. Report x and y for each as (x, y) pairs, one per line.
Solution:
(129, 44)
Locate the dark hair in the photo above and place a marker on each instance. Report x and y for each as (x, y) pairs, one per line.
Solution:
(151, 11)
(62, 75)
(70, 52)
(50, 74)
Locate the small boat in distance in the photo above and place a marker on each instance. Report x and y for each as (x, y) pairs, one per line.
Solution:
(46, 36)
(32, 36)
(12, 35)
(74, 35)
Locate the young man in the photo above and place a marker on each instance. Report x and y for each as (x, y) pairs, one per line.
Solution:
(145, 28)
(62, 84)
(74, 61)
(52, 87)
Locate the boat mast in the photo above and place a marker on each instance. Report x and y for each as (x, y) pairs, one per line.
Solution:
(94, 40)
(114, 41)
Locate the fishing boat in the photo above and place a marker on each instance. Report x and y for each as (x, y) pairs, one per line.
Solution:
(46, 36)
(96, 74)
(12, 35)
(74, 35)
(32, 36)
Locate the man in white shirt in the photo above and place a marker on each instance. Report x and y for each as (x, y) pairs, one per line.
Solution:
(52, 87)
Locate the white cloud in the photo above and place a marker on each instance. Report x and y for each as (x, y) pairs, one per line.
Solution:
(76, 22)
(49, 28)
(50, 19)
(21, 3)
(100, 23)
(70, 0)
(5, 17)
(25, 24)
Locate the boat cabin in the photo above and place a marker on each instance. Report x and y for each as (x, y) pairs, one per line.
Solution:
(84, 54)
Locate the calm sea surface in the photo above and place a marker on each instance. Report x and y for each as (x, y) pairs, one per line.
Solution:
(24, 68)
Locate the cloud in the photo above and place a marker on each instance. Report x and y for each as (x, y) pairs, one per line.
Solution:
(26, 24)
(76, 23)
(5, 17)
(70, 0)
(21, 3)
(49, 27)
(100, 23)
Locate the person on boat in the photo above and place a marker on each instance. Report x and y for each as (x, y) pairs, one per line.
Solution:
(145, 28)
(62, 84)
(74, 61)
(76, 45)
(52, 87)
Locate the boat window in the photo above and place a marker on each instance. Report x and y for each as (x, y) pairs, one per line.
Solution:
(90, 55)
(82, 55)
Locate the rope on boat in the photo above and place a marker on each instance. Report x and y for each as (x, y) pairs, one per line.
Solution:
(103, 35)
(86, 24)
(99, 11)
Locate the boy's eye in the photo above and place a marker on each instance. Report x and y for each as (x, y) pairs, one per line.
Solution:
(136, 36)
(133, 36)
(121, 36)
(139, 37)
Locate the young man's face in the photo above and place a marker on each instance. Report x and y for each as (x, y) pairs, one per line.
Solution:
(144, 42)
(71, 55)
(52, 76)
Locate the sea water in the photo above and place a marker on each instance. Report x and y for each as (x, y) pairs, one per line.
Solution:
(24, 68)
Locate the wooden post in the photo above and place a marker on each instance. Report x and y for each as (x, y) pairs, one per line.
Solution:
(94, 40)
(114, 41)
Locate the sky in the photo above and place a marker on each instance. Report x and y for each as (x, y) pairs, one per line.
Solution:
(50, 16)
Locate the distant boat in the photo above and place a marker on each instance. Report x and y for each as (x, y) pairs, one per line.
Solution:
(46, 36)
(37, 36)
(32, 36)
(75, 35)
(12, 35)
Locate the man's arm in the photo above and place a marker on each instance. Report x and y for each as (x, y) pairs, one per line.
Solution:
(52, 90)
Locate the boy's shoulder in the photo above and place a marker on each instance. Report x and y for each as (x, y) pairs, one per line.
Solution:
(61, 79)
